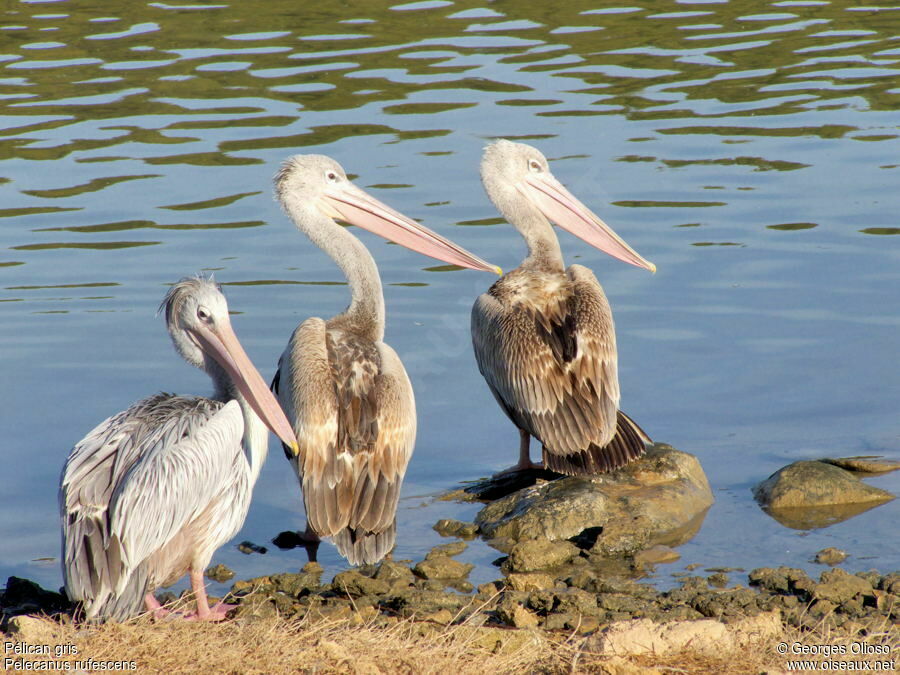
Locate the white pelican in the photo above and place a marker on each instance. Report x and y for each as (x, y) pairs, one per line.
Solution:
(152, 492)
(543, 335)
(344, 389)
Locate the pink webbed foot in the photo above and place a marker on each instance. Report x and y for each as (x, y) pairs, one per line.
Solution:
(157, 611)
(218, 612)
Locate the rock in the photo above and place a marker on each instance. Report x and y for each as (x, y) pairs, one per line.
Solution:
(656, 555)
(295, 585)
(219, 573)
(864, 463)
(243, 587)
(442, 617)
(354, 584)
(839, 586)
(255, 608)
(418, 603)
(783, 580)
(32, 629)
(831, 556)
(806, 483)
(540, 554)
(23, 596)
(442, 567)
(660, 498)
(577, 602)
(718, 580)
(534, 581)
(394, 573)
(643, 636)
(451, 549)
(522, 618)
(447, 527)
(490, 589)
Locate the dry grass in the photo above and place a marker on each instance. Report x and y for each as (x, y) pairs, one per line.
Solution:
(353, 645)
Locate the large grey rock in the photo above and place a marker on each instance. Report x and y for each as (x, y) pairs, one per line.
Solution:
(814, 494)
(659, 499)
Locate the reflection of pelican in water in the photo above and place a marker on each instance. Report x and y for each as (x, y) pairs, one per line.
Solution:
(344, 389)
(153, 491)
(543, 335)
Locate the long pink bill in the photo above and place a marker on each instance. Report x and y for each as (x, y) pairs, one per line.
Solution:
(222, 344)
(357, 207)
(564, 209)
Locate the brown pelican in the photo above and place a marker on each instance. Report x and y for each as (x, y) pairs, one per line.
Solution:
(343, 388)
(543, 335)
(152, 492)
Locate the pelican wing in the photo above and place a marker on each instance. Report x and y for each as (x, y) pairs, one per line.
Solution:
(127, 486)
(175, 484)
(378, 474)
(352, 408)
(550, 361)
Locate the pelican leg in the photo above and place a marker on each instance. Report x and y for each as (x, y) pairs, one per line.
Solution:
(204, 612)
(525, 462)
(153, 606)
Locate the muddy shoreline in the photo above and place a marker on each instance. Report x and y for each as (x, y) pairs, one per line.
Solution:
(562, 567)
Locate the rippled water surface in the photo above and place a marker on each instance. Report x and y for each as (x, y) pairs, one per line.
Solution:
(750, 150)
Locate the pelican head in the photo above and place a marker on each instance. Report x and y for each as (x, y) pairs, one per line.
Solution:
(517, 178)
(198, 321)
(312, 186)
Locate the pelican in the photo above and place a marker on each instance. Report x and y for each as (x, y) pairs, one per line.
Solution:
(543, 335)
(346, 391)
(152, 492)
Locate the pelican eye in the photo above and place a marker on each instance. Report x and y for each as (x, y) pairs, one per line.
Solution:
(203, 314)
(534, 165)
(331, 176)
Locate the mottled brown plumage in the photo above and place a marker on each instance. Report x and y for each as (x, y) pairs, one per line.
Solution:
(355, 421)
(345, 390)
(543, 335)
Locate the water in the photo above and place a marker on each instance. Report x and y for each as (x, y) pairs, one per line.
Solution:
(752, 155)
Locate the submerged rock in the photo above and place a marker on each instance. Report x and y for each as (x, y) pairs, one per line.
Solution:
(656, 555)
(831, 556)
(447, 550)
(220, 573)
(447, 527)
(864, 463)
(661, 498)
(813, 494)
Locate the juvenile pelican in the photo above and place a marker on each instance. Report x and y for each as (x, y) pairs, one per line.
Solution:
(543, 335)
(152, 492)
(344, 389)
